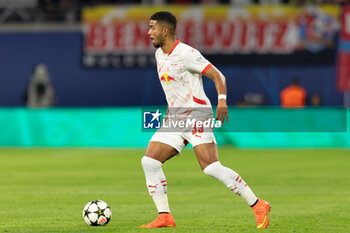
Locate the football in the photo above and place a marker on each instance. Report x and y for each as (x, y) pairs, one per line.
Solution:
(97, 213)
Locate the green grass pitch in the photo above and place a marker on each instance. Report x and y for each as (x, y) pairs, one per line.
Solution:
(45, 190)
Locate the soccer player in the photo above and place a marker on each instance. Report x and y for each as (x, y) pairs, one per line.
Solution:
(180, 69)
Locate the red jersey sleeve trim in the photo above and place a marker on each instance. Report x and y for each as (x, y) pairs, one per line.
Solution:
(199, 101)
(172, 49)
(206, 68)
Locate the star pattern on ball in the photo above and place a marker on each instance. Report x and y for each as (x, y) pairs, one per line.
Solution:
(97, 213)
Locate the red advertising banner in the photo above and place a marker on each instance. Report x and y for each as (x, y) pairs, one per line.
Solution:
(343, 66)
(117, 35)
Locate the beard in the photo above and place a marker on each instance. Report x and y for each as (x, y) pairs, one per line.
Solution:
(159, 44)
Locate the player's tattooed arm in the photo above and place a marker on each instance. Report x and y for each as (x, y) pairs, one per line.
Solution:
(220, 83)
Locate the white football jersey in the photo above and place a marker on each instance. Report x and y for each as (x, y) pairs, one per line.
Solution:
(180, 73)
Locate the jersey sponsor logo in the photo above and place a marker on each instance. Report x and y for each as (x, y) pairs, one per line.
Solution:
(166, 78)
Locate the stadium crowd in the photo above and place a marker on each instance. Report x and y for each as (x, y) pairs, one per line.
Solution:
(69, 11)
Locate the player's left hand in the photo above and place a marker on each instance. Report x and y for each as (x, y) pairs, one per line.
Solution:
(221, 111)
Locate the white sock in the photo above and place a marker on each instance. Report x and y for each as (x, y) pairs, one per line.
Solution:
(156, 183)
(232, 180)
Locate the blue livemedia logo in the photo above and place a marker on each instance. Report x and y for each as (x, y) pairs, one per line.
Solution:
(152, 120)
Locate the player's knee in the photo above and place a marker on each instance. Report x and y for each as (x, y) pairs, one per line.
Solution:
(149, 163)
(212, 169)
(223, 174)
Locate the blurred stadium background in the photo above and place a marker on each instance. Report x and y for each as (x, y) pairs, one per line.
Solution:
(77, 73)
(100, 66)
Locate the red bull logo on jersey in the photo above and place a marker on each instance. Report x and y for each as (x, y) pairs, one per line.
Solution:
(166, 78)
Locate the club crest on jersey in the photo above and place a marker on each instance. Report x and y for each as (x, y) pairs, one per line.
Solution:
(166, 78)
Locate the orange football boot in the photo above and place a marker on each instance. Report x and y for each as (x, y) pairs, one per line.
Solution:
(261, 211)
(163, 220)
